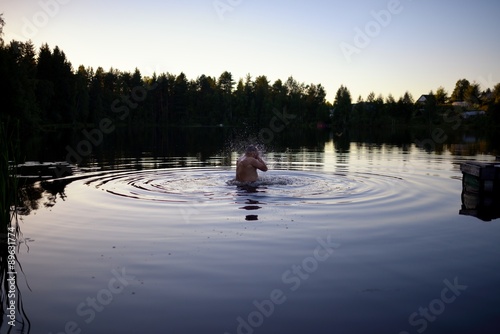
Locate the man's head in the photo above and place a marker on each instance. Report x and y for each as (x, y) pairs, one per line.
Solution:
(252, 151)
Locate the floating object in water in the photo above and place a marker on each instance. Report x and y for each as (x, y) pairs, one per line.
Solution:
(481, 190)
(479, 177)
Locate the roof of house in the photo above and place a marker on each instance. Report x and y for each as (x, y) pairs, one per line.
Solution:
(423, 98)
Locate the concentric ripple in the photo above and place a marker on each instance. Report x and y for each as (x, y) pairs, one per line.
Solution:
(216, 185)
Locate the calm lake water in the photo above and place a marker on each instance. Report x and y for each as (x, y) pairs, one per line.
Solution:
(337, 237)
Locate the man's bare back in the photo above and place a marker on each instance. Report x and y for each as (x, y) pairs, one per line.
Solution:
(247, 165)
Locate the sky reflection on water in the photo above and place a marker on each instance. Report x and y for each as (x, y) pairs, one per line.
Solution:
(203, 255)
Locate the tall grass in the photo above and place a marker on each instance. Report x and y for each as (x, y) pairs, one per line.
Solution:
(9, 228)
(8, 180)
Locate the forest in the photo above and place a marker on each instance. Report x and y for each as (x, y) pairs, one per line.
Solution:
(42, 91)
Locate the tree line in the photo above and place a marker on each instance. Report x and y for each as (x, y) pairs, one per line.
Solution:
(377, 111)
(42, 89)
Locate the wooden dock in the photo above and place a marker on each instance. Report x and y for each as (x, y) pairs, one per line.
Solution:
(480, 177)
(481, 190)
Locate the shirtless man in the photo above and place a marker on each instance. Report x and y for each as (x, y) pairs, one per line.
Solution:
(247, 165)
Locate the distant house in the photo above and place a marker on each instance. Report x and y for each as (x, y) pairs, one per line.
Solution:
(423, 99)
(420, 104)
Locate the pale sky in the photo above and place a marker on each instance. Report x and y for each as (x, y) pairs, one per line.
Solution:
(388, 46)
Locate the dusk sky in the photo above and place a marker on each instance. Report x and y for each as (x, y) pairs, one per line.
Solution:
(381, 46)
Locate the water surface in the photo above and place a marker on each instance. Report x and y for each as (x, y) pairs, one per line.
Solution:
(359, 240)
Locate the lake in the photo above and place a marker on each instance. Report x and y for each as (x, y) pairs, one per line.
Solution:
(341, 235)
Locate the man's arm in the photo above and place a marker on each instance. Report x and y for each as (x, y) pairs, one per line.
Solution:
(259, 163)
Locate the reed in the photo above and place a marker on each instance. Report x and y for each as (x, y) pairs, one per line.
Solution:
(9, 182)
(9, 232)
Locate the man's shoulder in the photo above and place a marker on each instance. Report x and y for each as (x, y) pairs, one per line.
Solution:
(245, 160)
